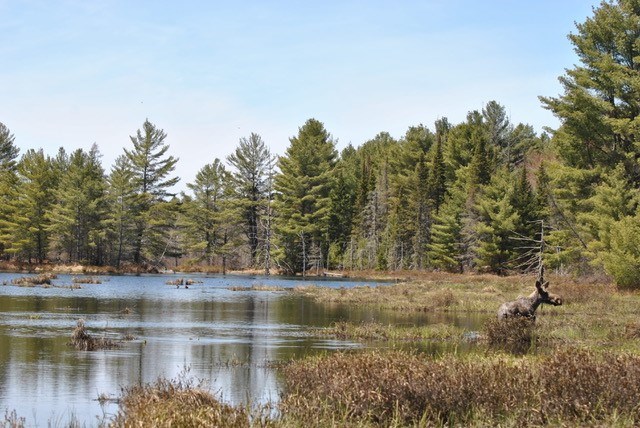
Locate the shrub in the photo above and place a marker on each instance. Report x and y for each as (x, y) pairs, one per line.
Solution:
(83, 341)
(177, 402)
(622, 260)
(515, 335)
(567, 387)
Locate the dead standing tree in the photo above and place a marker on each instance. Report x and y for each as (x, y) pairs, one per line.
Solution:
(526, 306)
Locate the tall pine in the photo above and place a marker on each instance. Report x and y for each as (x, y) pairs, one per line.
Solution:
(303, 196)
(152, 169)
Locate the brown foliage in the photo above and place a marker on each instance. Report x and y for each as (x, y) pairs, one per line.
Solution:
(30, 281)
(83, 341)
(176, 403)
(515, 335)
(571, 386)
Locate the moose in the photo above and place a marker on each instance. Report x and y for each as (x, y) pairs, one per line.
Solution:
(526, 306)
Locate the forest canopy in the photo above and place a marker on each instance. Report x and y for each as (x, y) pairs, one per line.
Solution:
(480, 195)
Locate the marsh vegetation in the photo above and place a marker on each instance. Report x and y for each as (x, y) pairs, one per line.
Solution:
(576, 365)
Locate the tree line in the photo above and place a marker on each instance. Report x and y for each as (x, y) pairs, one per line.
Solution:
(456, 197)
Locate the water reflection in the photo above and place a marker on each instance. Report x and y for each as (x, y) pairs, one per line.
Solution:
(227, 338)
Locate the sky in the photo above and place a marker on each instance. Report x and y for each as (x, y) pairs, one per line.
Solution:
(75, 73)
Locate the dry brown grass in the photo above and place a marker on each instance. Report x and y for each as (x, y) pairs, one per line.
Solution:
(12, 420)
(176, 403)
(435, 292)
(86, 280)
(257, 287)
(568, 387)
(515, 335)
(83, 341)
(32, 281)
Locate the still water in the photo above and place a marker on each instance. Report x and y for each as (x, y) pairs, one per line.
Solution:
(228, 338)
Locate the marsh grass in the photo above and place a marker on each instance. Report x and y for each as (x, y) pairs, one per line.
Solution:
(594, 314)
(574, 387)
(457, 293)
(12, 420)
(83, 341)
(36, 280)
(258, 287)
(86, 280)
(386, 332)
(515, 335)
(180, 402)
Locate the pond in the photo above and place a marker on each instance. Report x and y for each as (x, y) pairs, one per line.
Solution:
(230, 339)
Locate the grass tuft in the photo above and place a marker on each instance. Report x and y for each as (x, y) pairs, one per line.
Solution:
(11, 420)
(179, 402)
(86, 280)
(83, 341)
(31, 281)
(515, 335)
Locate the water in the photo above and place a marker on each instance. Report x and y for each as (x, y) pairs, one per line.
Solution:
(228, 338)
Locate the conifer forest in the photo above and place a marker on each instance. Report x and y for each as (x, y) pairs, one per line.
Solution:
(478, 196)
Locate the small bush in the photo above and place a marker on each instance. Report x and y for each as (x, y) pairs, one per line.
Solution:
(176, 403)
(86, 280)
(83, 341)
(516, 335)
(30, 281)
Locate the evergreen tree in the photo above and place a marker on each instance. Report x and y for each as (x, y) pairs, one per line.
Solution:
(203, 211)
(8, 184)
(29, 227)
(8, 150)
(252, 161)
(121, 196)
(151, 175)
(613, 200)
(480, 167)
(437, 177)
(496, 226)
(600, 105)
(77, 218)
(422, 209)
(343, 200)
(622, 259)
(445, 249)
(303, 195)
(528, 205)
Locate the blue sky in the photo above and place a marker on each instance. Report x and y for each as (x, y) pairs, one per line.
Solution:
(210, 72)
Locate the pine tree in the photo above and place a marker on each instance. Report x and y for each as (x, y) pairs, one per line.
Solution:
(77, 219)
(613, 200)
(343, 200)
(622, 259)
(497, 221)
(303, 195)
(252, 161)
(437, 180)
(422, 208)
(480, 166)
(151, 175)
(29, 236)
(8, 150)
(121, 197)
(8, 184)
(445, 249)
(600, 106)
(203, 211)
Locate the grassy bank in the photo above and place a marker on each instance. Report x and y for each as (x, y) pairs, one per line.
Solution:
(594, 315)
